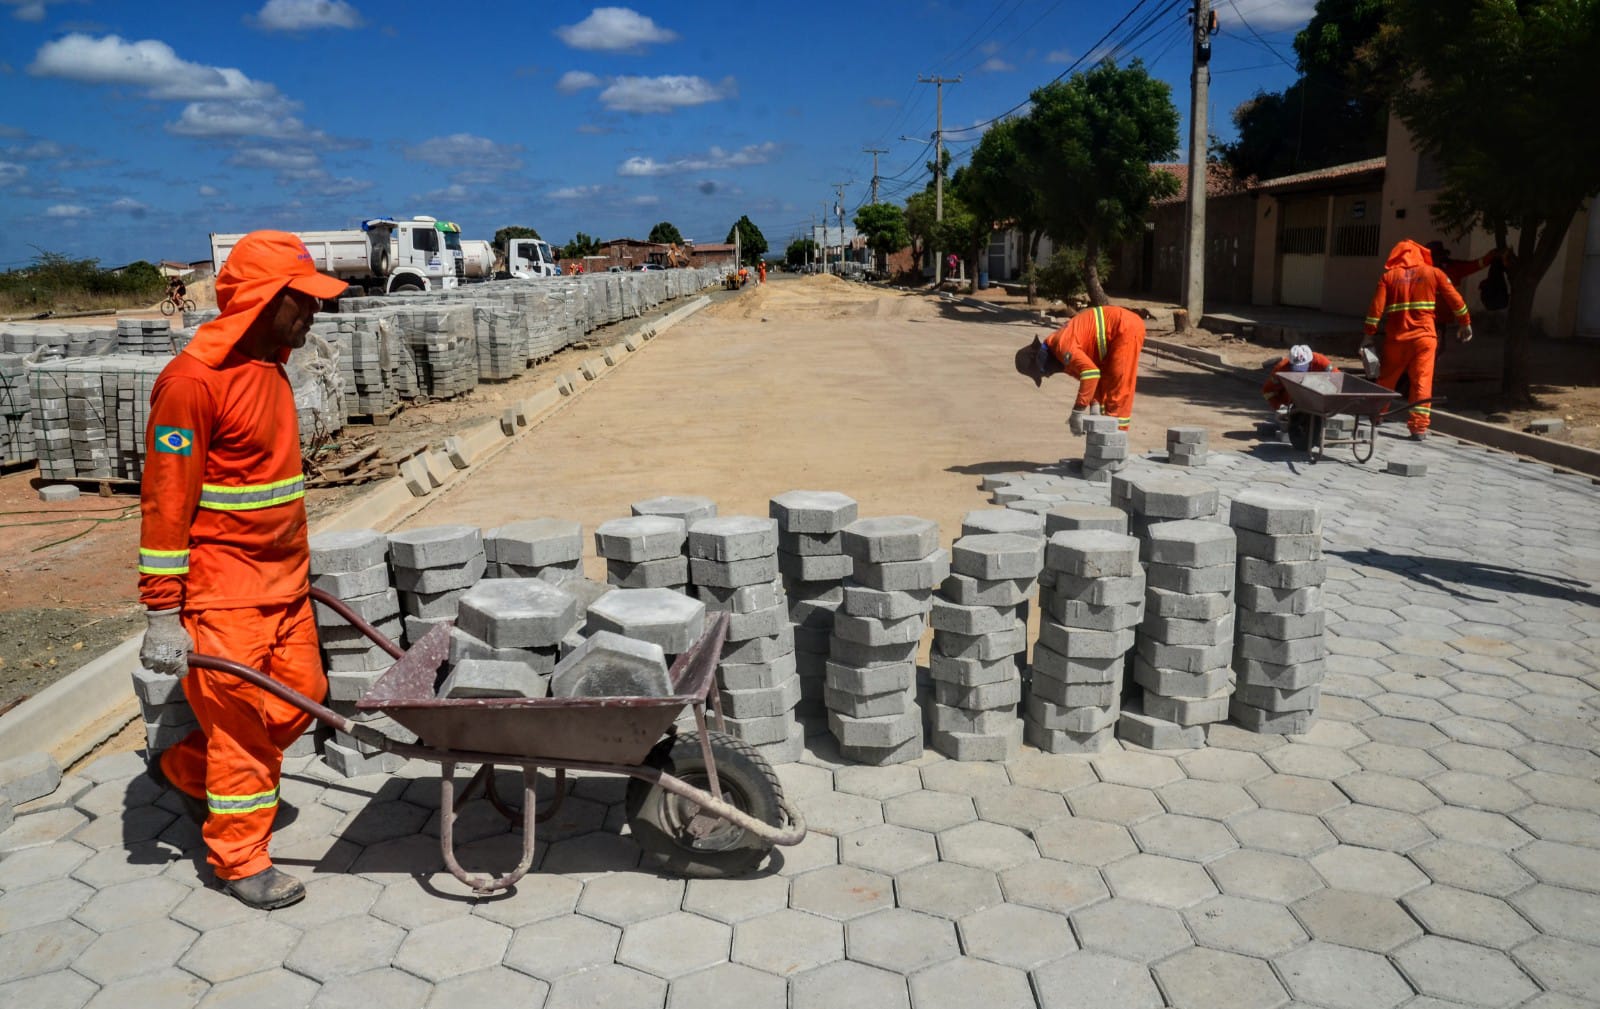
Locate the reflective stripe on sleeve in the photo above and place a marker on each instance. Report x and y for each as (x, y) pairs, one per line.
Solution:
(163, 562)
(1089, 373)
(1462, 310)
(235, 805)
(1372, 321)
(252, 496)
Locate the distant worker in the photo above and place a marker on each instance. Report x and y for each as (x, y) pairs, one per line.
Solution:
(1300, 358)
(223, 554)
(1460, 269)
(744, 275)
(761, 268)
(952, 265)
(1408, 293)
(1100, 348)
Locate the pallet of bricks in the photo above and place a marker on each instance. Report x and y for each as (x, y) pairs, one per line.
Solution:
(16, 412)
(375, 367)
(71, 341)
(443, 345)
(89, 415)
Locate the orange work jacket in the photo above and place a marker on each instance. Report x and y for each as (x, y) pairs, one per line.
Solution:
(1408, 294)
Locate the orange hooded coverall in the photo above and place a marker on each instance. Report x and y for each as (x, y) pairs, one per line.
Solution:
(1408, 295)
(224, 538)
(1273, 390)
(1100, 348)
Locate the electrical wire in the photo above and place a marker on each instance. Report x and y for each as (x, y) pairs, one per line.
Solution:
(1264, 43)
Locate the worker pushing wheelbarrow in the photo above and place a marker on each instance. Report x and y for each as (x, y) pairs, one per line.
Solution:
(704, 803)
(1317, 397)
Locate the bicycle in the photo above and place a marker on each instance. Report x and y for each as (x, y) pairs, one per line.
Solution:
(171, 304)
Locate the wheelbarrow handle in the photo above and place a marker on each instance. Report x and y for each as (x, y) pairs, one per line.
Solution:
(289, 695)
(1406, 406)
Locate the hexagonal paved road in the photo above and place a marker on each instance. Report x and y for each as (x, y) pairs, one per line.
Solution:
(1433, 841)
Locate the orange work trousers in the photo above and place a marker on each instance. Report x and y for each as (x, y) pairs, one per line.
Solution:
(1119, 374)
(1413, 358)
(235, 757)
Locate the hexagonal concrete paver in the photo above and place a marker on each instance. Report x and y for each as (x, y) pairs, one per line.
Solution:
(1096, 981)
(495, 986)
(900, 940)
(1570, 914)
(1471, 867)
(343, 947)
(1274, 830)
(1186, 837)
(1341, 978)
(727, 986)
(383, 986)
(1470, 917)
(787, 942)
(948, 889)
(447, 948)
(1560, 964)
(958, 984)
(986, 846)
(609, 985)
(1365, 870)
(929, 811)
(1263, 875)
(1388, 791)
(877, 782)
(1294, 794)
(1250, 927)
(1131, 929)
(538, 896)
(237, 950)
(1113, 803)
(887, 848)
(1021, 937)
(971, 779)
(275, 987)
(1022, 808)
(113, 907)
(1213, 800)
(1362, 920)
(674, 944)
(1373, 827)
(621, 898)
(1156, 879)
(168, 987)
(736, 899)
(847, 984)
(1465, 973)
(1050, 772)
(841, 892)
(557, 946)
(1212, 979)
(843, 813)
(1552, 862)
(1475, 826)
(1053, 885)
(1086, 842)
(1217, 764)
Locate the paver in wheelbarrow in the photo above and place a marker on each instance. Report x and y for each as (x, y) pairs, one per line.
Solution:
(702, 803)
(1315, 396)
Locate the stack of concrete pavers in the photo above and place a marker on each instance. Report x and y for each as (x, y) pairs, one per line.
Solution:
(814, 565)
(144, 336)
(1105, 449)
(510, 630)
(443, 344)
(501, 336)
(733, 563)
(16, 411)
(352, 566)
(871, 677)
(1280, 654)
(367, 348)
(978, 633)
(644, 552)
(1185, 642)
(527, 549)
(687, 508)
(1018, 522)
(432, 567)
(1094, 600)
(664, 617)
(164, 708)
(89, 414)
(1157, 496)
(1186, 446)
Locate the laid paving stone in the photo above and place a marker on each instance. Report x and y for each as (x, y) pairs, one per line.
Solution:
(726, 986)
(1253, 928)
(237, 950)
(788, 942)
(845, 983)
(966, 982)
(1209, 977)
(1131, 929)
(1470, 917)
(1267, 876)
(269, 987)
(1381, 873)
(1085, 841)
(1096, 981)
(1556, 911)
(948, 890)
(1560, 964)
(1021, 937)
(168, 987)
(609, 985)
(674, 945)
(381, 986)
(1470, 974)
(842, 892)
(900, 940)
(446, 949)
(1361, 920)
(888, 849)
(1341, 978)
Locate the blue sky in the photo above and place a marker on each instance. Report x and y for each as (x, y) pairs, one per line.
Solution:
(133, 130)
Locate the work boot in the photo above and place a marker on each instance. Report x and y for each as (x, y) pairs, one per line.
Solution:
(193, 806)
(1419, 436)
(266, 890)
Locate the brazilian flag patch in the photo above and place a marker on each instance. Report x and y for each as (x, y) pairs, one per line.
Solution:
(175, 440)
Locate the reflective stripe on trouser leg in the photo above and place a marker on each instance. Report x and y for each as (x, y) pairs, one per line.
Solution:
(1421, 371)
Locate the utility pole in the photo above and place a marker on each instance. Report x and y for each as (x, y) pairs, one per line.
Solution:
(811, 240)
(824, 245)
(839, 207)
(874, 151)
(1194, 261)
(938, 157)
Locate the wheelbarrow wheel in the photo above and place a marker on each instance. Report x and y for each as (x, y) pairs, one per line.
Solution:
(660, 821)
(1303, 429)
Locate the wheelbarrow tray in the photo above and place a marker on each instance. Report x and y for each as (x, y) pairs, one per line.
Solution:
(606, 730)
(1326, 393)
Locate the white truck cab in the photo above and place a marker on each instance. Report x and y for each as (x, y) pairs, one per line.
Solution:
(530, 257)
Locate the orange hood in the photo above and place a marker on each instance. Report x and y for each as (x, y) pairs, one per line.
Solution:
(1408, 255)
(260, 265)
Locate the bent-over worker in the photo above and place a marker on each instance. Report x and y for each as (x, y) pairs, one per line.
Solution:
(1408, 293)
(223, 554)
(1100, 348)
(1300, 358)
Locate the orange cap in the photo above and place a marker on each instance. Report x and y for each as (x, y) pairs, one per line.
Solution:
(260, 265)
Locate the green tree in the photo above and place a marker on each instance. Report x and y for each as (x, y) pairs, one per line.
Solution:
(800, 252)
(1336, 112)
(997, 185)
(920, 222)
(510, 231)
(581, 245)
(752, 243)
(1089, 142)
(666, 233)
(883, 225)
(1502, 98)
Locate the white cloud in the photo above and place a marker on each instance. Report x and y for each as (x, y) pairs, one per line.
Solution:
(662, 94)
(11, 174)
(273, 118)
(1058, 56)
(645, 200)
(66, 210)
(594, 129)
(209, 191)
(147, 64)
(38, 150)
(715, 158)
(996, 65)
(29, 10)
(614, 29)
(574, 81)
(276, 159)
(990, 48)
(128, 205)
(455, 193)
(466, 151)
(576, 192)
(325, 185)
(300, 15)
(1271, 15)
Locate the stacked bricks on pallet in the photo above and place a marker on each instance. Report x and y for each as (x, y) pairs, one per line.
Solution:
(372, 362)
(1091, 598)
(443, 345)
(16, 412)
(979, 630)
(1280, 654)
(1186, 638)
(1186, 446)
(71, 341)
(733, 562)
(644, 552)
(501, 336)
(89, 415)
(814, 565)
(353, 567)
(313, 373)
(151, 337)
(1105, 449)
(871, 679)
(687, 508)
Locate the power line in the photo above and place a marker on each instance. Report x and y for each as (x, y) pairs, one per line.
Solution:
(1265, 44)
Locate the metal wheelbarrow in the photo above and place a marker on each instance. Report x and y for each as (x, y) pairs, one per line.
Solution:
(704, 803)
(1315, 396)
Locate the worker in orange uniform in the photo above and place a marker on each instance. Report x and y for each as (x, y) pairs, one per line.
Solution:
(1100, 348)
(1408, 293)
(761, 270)
(1300, 358)
(223, 554)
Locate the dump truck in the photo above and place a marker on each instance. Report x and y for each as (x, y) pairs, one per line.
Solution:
(530, 257)
(382, 256)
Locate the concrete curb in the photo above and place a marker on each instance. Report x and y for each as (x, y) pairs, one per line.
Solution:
(77, 713)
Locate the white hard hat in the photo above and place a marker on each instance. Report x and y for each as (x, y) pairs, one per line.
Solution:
(1300, 357)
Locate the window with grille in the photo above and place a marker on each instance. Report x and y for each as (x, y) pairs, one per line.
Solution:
(1307, 240)
(1355, 240)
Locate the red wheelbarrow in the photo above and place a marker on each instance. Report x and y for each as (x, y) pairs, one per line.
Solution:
(705, 803)
(1314, 396)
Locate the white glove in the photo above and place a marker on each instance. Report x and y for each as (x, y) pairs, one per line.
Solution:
(1075, 422)
(166, 645)
(1464, 334)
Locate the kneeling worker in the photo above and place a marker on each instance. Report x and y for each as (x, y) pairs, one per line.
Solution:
(1100, 348)
(223, 554)
(1301, 358)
